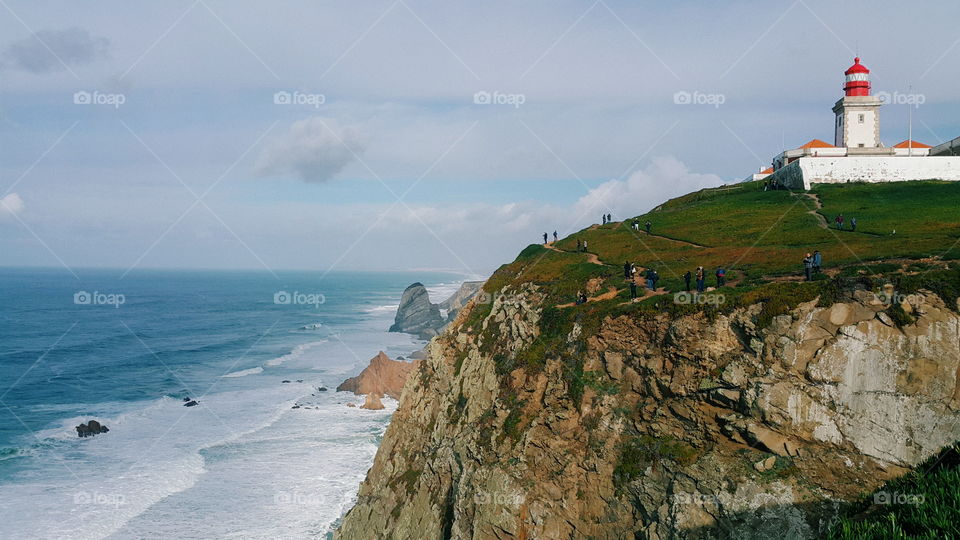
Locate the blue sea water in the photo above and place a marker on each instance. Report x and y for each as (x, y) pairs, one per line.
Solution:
(127, 351)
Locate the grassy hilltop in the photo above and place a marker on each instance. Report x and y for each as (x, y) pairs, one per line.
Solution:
(760, 238)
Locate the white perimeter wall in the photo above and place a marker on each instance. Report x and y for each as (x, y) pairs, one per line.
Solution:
(826, 170)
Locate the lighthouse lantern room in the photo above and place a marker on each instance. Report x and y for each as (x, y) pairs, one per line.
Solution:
(857, 122)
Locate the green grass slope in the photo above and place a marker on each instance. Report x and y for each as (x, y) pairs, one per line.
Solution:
(760, 237)
(924, 504)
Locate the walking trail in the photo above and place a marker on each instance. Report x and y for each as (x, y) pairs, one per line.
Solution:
(821, 221)
(591, 257)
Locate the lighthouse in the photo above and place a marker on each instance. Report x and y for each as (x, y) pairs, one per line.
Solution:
(857, 123)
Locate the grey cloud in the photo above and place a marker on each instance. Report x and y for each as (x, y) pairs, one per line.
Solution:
(48, 51)
(315, 150)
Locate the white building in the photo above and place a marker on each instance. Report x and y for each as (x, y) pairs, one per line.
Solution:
(857, 155)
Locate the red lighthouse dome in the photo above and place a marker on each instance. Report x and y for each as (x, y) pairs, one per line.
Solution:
(858, 79)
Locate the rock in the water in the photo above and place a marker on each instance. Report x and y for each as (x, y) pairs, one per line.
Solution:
(91, 428)
(322, 389)
(416, 315)
(383, 376)
(191, 403)
(372, 402)
(351, 404)
(460, 298)
(285, 381)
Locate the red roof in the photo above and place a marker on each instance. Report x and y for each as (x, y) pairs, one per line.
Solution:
(857, 67)
(916, 144)
(768, 170)
(817, 143)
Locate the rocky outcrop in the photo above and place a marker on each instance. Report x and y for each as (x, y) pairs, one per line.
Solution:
(459, 299)
(416, 315)
(372, 402)
(91, 428)
(383, 376)
(658, 426)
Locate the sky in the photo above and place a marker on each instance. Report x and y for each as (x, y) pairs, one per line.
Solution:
(404, 135)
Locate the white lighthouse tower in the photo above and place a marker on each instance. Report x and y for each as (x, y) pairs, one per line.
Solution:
(857, 123)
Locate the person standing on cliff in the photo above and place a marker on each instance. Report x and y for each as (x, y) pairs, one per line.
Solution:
(817, 261)
(584, 246)
(604, 219)
(554, 236)
(626, 270)
(544, 238)
(651, 279)
(839, 221)
(648, 225)
(701, 279)
(609, 218)
(807, 266)
(853, 224)
(721, 276)
(633, 289)
(579, 246)
(686, 280)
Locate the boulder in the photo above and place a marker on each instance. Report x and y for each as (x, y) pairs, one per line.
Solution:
(416, 315)
(383, 376)
(91, 428)
(372, 402)
(191, 403)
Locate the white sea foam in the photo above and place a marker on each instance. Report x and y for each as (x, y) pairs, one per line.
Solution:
(297, 352)
(244, 372)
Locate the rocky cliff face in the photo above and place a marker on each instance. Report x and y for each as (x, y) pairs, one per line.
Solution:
(416, 315)
(384, 377)
(660, 427)
(459, 299)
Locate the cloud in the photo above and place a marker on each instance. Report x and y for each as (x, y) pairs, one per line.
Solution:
(314, 149)
(11, 204)
(48, 51)
(664, 178)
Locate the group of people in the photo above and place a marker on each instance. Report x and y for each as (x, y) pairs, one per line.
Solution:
(631, 273)
(545, 237)
(607, 218)
(635, 225)
(701, 277)
(838, 221)
(811, 264)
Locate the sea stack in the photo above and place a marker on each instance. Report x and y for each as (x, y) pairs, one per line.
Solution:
(372, 403)
(416, 315)
(383, 376)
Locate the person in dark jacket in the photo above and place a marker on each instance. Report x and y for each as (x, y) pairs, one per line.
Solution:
(633, 289)
(626, 270)
(807, 266)
(686, 280)
(648, 225)
(544, 238)
(817, 261)
(651, 279)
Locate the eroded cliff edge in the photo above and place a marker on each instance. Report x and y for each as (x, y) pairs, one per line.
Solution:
(531, 422)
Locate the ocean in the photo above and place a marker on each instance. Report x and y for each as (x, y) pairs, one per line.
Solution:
(128, 351)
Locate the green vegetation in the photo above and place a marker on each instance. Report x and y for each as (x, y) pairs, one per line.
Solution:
(924, 504)
(756, 236)
(638, 453)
